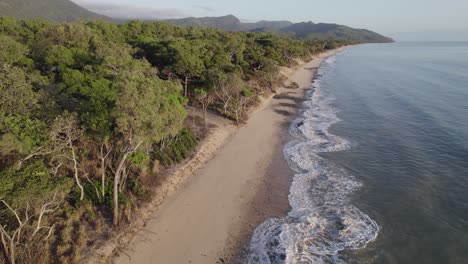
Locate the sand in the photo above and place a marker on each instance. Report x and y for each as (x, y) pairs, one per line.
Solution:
(240, 180)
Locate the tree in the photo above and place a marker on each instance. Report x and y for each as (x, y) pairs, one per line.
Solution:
(21, 136)
(28, 197)
(226, 87)
(69, 35)
(104, 152)
(239, 104)
(64, 134)
(27, 228)
(181, 58)
(16, 92)
(16, 83)
(12, 52)
(148, 110)
(205, 98)
(106, 30)
(235, 45)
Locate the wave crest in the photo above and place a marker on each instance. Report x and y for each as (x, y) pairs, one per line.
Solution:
(321, 222)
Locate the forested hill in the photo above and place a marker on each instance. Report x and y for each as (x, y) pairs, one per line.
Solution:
(333, 31)
(51, 10)
(93, 113)
(300, 30)
(229, 23)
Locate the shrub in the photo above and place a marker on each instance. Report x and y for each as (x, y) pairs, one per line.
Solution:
(33, 182)
(176, 150)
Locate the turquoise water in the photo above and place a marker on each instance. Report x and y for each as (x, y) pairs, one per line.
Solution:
(381, 161)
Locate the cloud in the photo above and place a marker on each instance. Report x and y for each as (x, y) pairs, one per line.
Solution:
(128, 11)
(204, 8)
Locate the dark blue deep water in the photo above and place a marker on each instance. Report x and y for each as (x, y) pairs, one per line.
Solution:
(404, 109)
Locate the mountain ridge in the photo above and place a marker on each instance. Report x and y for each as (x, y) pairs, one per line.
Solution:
(334, 31)
(227, 22)
(299, 30)
(68, 11)
(52, 10)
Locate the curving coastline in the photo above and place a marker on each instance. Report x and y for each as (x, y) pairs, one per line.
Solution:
(321, 222)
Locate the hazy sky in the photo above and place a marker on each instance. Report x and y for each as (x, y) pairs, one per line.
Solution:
(402, 19)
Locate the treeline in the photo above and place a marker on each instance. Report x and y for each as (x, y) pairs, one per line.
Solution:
(90, 111)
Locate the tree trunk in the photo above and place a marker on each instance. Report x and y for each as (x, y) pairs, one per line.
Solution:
(103, 158)
(118, 172)
(103, 171)
(12, 252)
(123, 179)
(225, 105)
(186, 86)
(77, 179)
(204, 116)
(103, 177)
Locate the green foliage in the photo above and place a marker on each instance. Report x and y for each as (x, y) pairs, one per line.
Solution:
(246, 93)
(93, 195)
(59, 57)
(177, 149)
(11, 51)
(106, 30)
(136, 187)
(32, 183)
(200, 93)
(138, 159)
(16, 91)
(20, 134)
(147, 108)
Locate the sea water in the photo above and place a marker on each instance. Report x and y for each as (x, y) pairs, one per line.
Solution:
(380, 153)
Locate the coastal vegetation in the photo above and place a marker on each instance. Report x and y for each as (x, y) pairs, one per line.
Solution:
(92, 113)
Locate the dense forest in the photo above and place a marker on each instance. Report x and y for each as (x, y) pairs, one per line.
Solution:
(92, 112)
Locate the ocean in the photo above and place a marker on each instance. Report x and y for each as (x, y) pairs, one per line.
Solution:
(380, 155)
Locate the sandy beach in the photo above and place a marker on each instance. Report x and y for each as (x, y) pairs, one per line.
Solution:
(241, 180)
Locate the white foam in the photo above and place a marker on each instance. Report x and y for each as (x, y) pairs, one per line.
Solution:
(322, 222)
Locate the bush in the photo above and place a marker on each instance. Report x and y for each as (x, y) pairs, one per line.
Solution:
(138, 159)
(177, 150)
(33, 182)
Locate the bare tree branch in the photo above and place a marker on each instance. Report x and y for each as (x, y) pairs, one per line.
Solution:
(21, 236)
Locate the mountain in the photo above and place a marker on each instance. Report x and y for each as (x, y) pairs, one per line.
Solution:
(273, 25)
(67, 11)
(300, 30)
(333, 31)
(52, 10)
(228, 23)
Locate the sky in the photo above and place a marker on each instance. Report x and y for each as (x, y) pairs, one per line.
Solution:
(402, 19)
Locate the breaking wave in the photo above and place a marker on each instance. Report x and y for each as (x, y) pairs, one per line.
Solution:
(322, 222)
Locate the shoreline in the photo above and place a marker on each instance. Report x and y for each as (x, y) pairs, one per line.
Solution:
(271, 199)
(237, 179)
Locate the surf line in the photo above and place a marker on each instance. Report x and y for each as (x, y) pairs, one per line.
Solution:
(322, 221)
